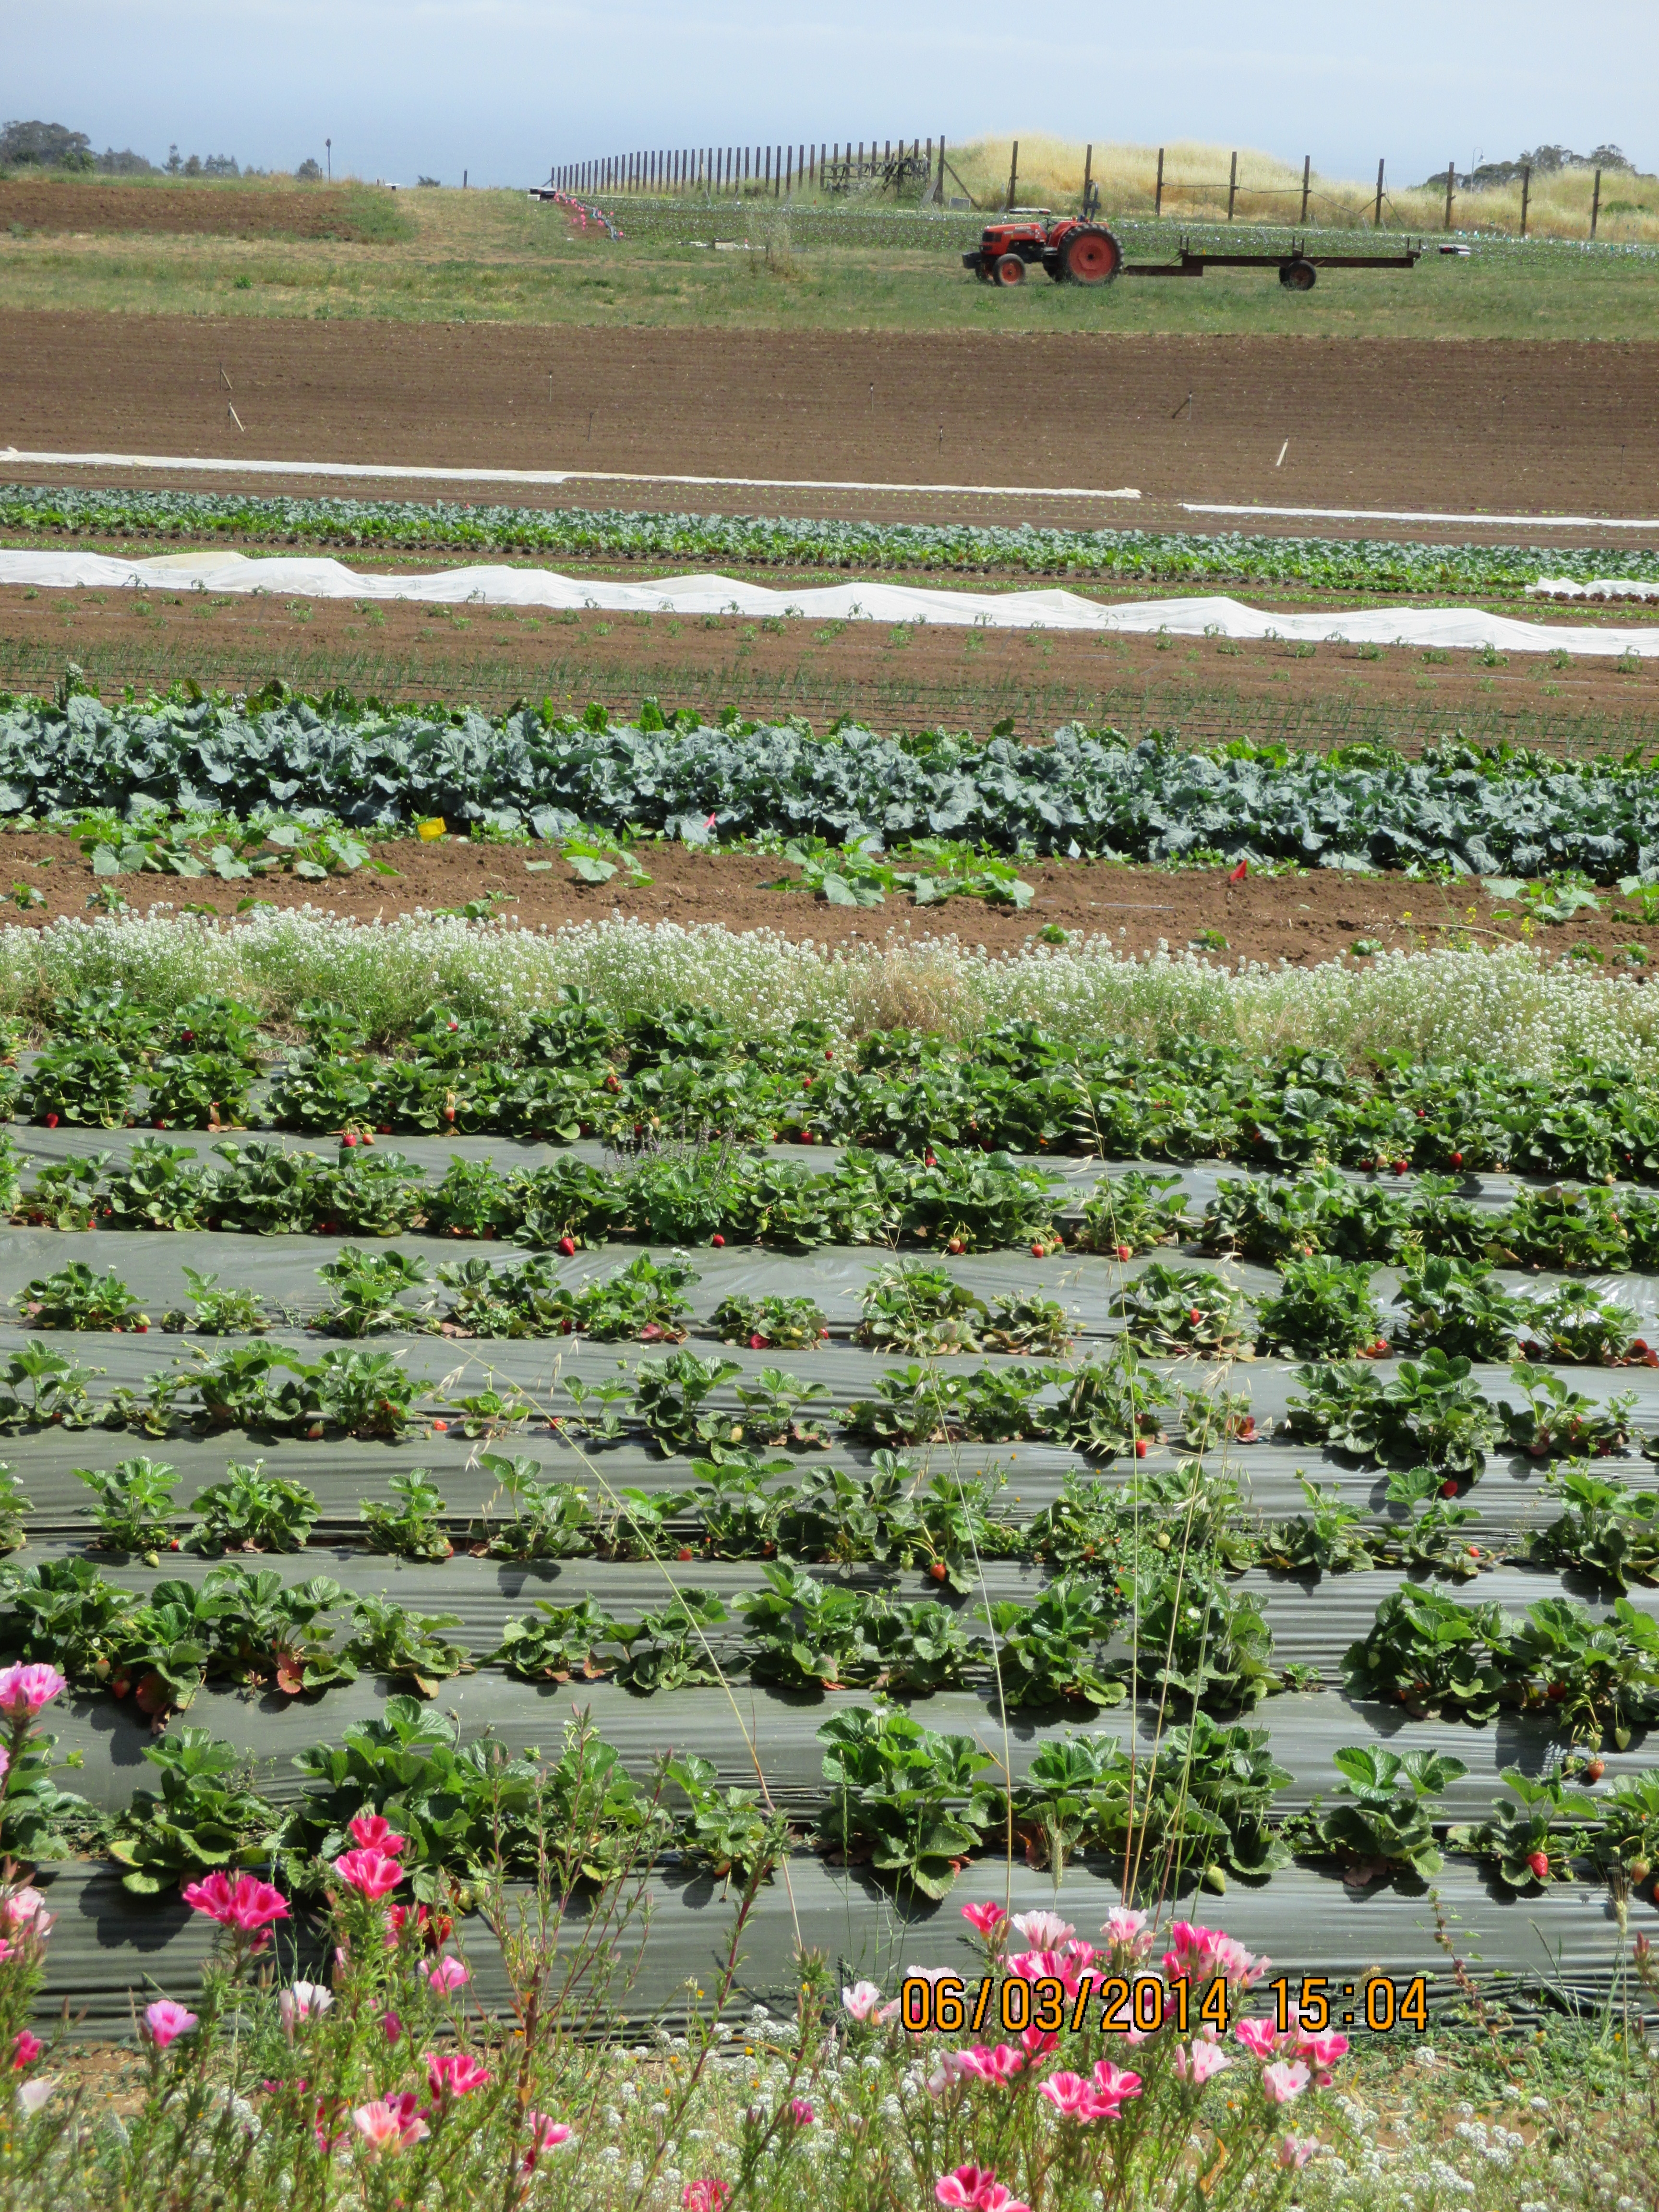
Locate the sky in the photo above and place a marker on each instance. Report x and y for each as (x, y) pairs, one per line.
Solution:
(504, 88)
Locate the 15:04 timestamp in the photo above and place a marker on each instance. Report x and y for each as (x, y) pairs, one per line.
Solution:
(1378, 2002)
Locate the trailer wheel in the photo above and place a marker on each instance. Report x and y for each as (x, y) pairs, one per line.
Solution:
(1011, 270)
(1298, 276)
(1091, 257)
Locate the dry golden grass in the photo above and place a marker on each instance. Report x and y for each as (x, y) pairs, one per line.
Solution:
(1195, 178)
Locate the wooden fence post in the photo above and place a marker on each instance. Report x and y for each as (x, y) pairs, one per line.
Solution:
(1526, 193)
(941, 169)
(1595, 203)
(1451, 179)
(1158, 197)
(1232, 188)
(1013, 171)
(1088, 171)
(1307, 179)
(1377, 218)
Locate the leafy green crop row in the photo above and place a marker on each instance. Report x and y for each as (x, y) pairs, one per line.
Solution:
(1367, 564)
(1495, 813)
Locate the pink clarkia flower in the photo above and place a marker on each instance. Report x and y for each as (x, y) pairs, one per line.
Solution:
(1043, 1931)
(1069, 2094)
(1259, 2036)
(375, 1833)
(989, 1918)
(394, 2028)
(1294, 2151)
(30, 2095)
(25, 2050)
(1114, 2086)
(802, 2112)
(245, 1903)
(371, 1873)
(454, 2075)
(444, 1976)
(1000, 2065)
(389, 2123)
(164, 2022)
(1199, 1954)
(1284, 2079)
(303, 2001)
(24, 1690)
(977, 2186)
(861, 1999)
(546, 2135)
(705, 2196)
(25, 1909)
(1079, 1955)
(1322, 2052)
(1206, 2059)
(1037, 2041)
(1126, 1931)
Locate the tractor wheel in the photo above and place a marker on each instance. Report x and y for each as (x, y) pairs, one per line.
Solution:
(981, 272)
(1011, 270)
(1090, 256)
(1298, 276)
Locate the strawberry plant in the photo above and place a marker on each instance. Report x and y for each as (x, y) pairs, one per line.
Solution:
(959, 1202)
(82, 1085)
(492, 1412)
(40, 1388)
(645, 1301)
(1180, 1310)
(920, 1404)
(367, 1290)
(724, 1831)
(13, 1507)
(906, 1801)
(1576, 1325)
(205, 1816)
(1106, 1406)
(64, 1195)
(669, 1650)
(65, 1613)
(739, 1516)
(158, 1189)
(405, 1646)
(1324, 1310)
(1594, 1680)
(810, 1636)
(1434, 1538)
(253, 1511)
(773, 1414)
(1431, 1411)
(556, 1643)
(1214, 1417)
(1085, 1526)
(74, 1297)
(841, 1516)
(1461, 1308)
(263, 1190)
(1201, 1639)
(1528, 1839)
(1568, 1231)
(1133, 1212)
(216, 1312)
(911, 1307)
(1626, 1842)
(1270, 1222)
(409, 1527)
(1046, 1651)
(1387, 1828)
(366, 1392)
(771, 1324)
(1606, 1530)
(371, 1193)
(1559, 1422)
(247, 1627)
(196, 1091)
(670, 1396)
(132, 1505)
(254, 1386)
(1024, 1323)
(551, 1520)
(1324, 1540)
(1430, 1654)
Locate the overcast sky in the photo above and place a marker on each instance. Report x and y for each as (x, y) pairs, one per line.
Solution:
(505, 87)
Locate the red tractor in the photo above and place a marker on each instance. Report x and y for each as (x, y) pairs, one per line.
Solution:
(1073, 250)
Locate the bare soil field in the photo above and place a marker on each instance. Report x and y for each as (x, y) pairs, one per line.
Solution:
(1509, 426)
(1301, 918)
(211, 210)
(893, 675)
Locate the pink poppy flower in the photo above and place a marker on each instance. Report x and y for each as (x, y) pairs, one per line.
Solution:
(24, 1690)
(375, 1833)
(1284, 2080)
(1000, 2065)
(164, 2022)
(1322, 2052)
(370, 1872)
(389, 2123)
(1114, 2086)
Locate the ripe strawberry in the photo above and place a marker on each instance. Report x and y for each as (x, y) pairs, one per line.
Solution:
(1193, 1315)
(1449, 1488)
(442, 1426)
(1037, 1252)
(567, 1245)
(1125, 1252)
(938, 1571)
(928, 1160)
(1141, 1446)
(718, 1243)
(1457, 1160)
(1595, 1770)
(757, 1342)
(685, 1551)
(1539, 1864)
(1400, 1166)
(960, 1244)
(807, 1138)
(348, 1140)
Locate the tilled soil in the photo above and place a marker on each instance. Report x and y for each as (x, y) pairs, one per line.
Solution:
(894, 676)
(1509, 426)
(1300, 918)
(216, 210)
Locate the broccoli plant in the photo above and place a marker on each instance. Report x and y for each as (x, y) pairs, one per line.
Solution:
(771, 1324)
(1180, 1310)
(253, 1511)
(1387, 1828)
(1324, 1310)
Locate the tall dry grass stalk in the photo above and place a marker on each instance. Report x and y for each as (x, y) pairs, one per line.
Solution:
(1195, 180)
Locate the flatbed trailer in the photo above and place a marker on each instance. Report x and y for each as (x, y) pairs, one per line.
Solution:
(1296, 265)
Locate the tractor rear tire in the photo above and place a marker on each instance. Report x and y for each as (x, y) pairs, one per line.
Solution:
(1298, 276)
(1011, 270)
(1090, 256)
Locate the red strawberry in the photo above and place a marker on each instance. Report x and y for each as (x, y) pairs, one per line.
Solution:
(1539, 1864)
(938, 1571)
(1457, 1160)
(567, 1245)
(1595, 1770)
(757, 1343)
(928, 1161)
(1140, 1447)
(1037, 1252)
(52, 1121)
(442, 1426)
(1124, 1252)
(1193, 1315)
(1449, 1488)
(719, 1242)
(685, 1551)
(1399, 1166)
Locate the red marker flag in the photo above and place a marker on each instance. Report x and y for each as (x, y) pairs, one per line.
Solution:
(1239, 872)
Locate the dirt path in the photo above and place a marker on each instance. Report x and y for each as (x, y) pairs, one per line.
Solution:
(1509, 426)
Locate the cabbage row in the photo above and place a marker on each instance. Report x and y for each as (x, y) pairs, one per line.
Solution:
(1086, 793)
(1329, 563)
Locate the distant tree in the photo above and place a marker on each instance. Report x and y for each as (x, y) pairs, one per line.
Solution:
(310, 173)
(173, 163)
(220, 165)
(193, 166)
(1608, 157)
(44, 146)
(127, 163)
(428, 180)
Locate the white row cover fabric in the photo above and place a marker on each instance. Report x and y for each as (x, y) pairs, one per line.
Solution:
(308, 577)
(1598, 587)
